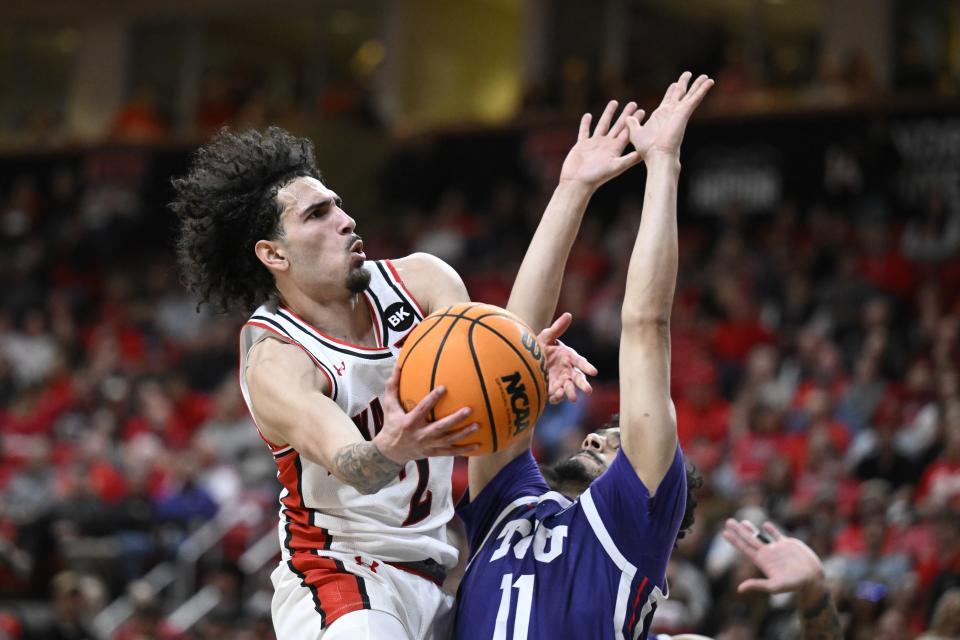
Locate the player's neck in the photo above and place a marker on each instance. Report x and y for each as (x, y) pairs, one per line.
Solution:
(345, 318)
(571, 489)
(568, 487)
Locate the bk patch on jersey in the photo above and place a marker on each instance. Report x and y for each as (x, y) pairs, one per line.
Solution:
(399, 316)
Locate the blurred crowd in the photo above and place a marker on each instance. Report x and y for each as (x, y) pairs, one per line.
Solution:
(816, 376)
(242, 99)
(122, 428)
(294, 94)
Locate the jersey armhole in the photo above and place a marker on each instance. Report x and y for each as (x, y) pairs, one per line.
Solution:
(331, 391)
(410, 296)
(276, 449)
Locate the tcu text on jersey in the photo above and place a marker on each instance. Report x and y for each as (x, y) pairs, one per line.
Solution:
(547, 543)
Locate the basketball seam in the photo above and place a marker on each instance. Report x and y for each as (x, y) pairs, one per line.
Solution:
(483, 386)
(428, 330)
(486, 315)
(406, 355)
(507, 342)
(436, 359)
(461, 315)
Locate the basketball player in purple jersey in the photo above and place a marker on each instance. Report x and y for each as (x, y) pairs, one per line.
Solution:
(366, 490)
(543, 565)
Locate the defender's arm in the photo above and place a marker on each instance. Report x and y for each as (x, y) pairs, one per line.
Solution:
(648, 421)
(595, 159)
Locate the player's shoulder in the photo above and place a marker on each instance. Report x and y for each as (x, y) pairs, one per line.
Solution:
(431, 281)
(272, 350)
(419, 262)
(272, 359)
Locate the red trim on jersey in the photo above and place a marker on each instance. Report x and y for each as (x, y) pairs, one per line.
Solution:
(636, 601)
(396, 276)
(337, 591)
(286, 339)
(329, 337)
(302, 535)
(421, 574)
(375, 317)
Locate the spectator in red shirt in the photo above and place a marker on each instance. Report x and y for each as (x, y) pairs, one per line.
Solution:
(739, 331)
(820, 471)
(940, 485)
(702, 414)
(763, 443)
(138, 120)
(943, 559)
(872, 503)
(881, 264)
(817, 414)
(158, 415)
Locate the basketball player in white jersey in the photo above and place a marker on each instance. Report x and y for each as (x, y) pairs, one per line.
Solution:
(366, 486)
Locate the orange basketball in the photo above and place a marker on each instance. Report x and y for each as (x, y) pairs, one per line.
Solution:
(488, 360)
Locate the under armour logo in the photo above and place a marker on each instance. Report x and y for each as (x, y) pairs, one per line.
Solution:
(373, 566)
(341, 368)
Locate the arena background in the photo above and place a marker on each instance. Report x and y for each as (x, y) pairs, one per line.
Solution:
(816, 334)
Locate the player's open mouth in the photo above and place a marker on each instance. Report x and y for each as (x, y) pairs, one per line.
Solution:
(357, 250)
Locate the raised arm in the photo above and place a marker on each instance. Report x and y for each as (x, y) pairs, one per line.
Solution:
(596, 158)
(290, 403)
(648, 422)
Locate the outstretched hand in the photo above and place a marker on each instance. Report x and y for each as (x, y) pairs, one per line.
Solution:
(787, 563)
(663, 132)
(598, 157)
(567, 369)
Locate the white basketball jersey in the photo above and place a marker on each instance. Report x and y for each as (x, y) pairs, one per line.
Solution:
(406, 520)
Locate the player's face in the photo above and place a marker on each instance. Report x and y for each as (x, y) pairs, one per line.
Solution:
(322, 246)
(574, 474)
(598, 450)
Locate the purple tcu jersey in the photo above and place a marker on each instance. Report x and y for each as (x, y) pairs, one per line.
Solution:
(544, 567)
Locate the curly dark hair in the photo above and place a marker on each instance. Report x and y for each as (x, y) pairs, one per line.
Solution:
(227, 202)
(694, 484)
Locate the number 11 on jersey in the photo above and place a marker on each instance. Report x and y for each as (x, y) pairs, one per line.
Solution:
(521, 621)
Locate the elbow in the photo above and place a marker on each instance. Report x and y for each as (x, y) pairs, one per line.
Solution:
(644, 321)
(363, 485)
(366, 489)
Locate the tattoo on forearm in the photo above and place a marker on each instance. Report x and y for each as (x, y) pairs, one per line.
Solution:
(362, 466)
(821, 621)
